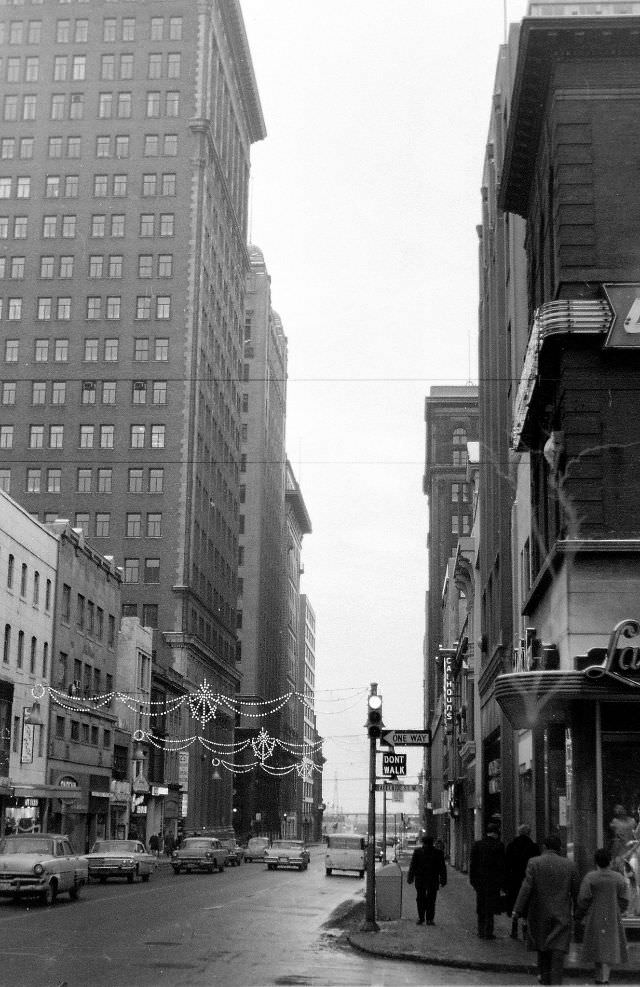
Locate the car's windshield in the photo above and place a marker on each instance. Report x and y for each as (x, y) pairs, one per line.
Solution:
(287, 845)
(117, 846)
(197, 844)
(23, 844)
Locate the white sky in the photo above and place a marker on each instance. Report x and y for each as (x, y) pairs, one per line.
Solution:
(365, 201)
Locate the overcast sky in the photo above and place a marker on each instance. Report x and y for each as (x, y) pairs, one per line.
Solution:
(365, 202)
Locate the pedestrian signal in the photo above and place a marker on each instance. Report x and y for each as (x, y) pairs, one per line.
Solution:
(374, 716)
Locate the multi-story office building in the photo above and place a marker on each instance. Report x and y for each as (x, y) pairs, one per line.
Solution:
(262, 586)
(309, 792)
(451, 416)
(125, 131)
(566, 168)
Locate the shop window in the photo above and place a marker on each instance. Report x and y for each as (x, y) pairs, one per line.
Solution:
(75, 730)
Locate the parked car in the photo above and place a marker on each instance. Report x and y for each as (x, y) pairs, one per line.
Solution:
(345, 852)
(199, 853)
(287, 853)
(235, 853)
(120, 858)
(256, 848)
(41, 864)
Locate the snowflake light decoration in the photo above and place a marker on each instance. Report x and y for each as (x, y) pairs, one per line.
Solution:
(263, 745)
(203, 704)
(305, 768)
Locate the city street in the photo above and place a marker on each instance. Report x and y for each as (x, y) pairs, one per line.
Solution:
(245, 927)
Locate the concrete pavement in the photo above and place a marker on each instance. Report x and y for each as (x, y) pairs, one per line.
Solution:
(453, 940)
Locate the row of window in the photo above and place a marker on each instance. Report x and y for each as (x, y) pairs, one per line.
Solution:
(140, 437)
(77, 32)
(50, 481)
(89, 617)
(82, 733)
(60, 351)
(140, 390)
(68, 186)
(26, 651)
(150, 570)
(110, 307)
(71, 106)
(117, 146)
(100, 225)
(23, 586)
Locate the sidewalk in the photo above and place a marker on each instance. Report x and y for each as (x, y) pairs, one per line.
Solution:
(453, 941)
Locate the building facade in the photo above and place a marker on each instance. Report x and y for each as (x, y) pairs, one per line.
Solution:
(451, 417)
(124, 140)
(572, 691)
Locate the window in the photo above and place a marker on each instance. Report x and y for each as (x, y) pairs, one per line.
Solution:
(143, 307)
(20, 655)
(5, 480)
(167, 224)
(84, 481)
(153, 104)
(36, 588)
(460, 456)
(131, 570)
(6, 648)
(133, 525)
(58, 392)
(145, 266)
(23, 188)
(157, 436)
(141, 348)
(66, 603)
(104, 481)
(36, 436)
(113, 308)
(88, 392)
(152, 570)
(169, 184)
(44, 312)
(135, 481)
(151, 146)
(54, 477)
(98, 225)
(46, 267)
(86, 436)
(103, 522)
(57, 107)
(66, 267)
(111, 348)
(61, 350)
(10, 568)
(124, 107)
(172, 104)
(11, 347)
(161, 349)
(9, 392)
(33, 480)
(119, 186)
(82, 522)
(163, 307)
(79, 68)
(154, 525)
(63, 309)
(96, 265)
(20, 226)
(49, 227)
(159, 392)
(68, 227)
(137, 436)
(109, 392)
(60, 724)
(42, 345)
(149, 614)
(149, 185)
(107, 436)
(6, 436)
(56, 436)
(175, 28)
(139, 392)
(173, 65)
(108, 67)
(165, 265)
(117, 225)
(105, 105)
(100, 186)
(154, 67)
(147, 221)
(156, 480)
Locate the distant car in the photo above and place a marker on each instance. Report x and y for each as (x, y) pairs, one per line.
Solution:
(287, 853)
(256, 848)
(40, 864)
(199, 853)
(235, 853)
(345, 852)
(120, 858)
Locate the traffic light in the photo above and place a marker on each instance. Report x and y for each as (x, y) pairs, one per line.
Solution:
(374, 716)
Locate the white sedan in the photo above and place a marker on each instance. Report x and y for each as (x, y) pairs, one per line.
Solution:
(40, 864)
(287, 853)
(120, 858)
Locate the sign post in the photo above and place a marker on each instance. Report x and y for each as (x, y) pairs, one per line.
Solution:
(374, 729)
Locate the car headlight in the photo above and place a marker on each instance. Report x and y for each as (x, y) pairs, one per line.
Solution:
(38, 869)
(208, 855)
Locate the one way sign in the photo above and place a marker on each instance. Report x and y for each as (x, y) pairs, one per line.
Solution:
(394, 764)
(406, 738)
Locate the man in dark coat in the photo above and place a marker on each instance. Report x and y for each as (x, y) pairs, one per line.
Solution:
(517, 855)
(547, 896)
(429, 871)
(487, 876)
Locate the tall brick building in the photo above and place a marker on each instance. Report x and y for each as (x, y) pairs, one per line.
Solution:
(125, 131)
(568, 170)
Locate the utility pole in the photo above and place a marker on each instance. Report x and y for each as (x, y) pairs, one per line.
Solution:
(374, 730)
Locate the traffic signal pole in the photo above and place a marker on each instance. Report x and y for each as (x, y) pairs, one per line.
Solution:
(374, 730)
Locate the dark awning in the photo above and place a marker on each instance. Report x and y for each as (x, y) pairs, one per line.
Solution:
(529, 698)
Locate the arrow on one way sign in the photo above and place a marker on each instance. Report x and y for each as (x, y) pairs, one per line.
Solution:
(406, 738)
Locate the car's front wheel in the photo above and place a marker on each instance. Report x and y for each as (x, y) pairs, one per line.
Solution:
(50, 894)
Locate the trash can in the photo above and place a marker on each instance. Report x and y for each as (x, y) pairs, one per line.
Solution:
(389, 892)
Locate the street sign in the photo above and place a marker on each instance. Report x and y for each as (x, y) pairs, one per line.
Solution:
(394, 764)
(406, 738)
(395, 786)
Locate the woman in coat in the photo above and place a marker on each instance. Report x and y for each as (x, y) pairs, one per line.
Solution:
(603, 897)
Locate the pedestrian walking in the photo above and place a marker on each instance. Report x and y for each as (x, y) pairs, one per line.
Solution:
(169, 844)
(517, 855)
(547, 897)
(603, 897)
(154, 844)
(487, 876)
(429, 871)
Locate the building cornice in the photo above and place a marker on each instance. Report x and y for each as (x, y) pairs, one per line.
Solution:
(247, 85)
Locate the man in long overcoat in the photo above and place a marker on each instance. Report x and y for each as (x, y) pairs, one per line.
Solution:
(547, 898)
(429, 871)
(517, 855)
(487, 876)
(603, 898)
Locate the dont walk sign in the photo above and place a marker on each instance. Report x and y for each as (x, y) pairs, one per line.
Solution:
(394, 764)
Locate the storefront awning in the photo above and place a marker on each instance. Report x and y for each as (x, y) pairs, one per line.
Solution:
(44, 791)
(530, 698)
